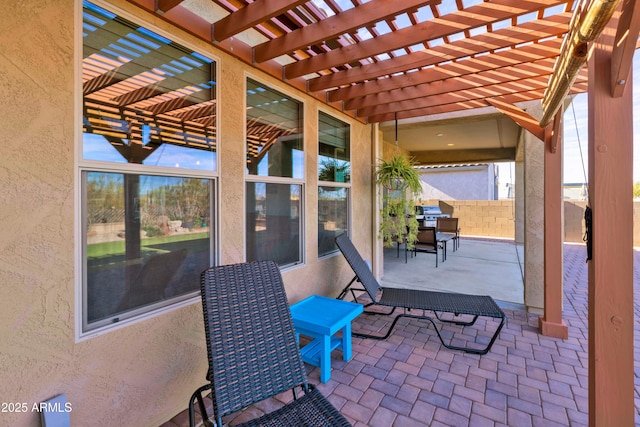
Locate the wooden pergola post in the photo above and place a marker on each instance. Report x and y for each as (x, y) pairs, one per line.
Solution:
(611, 374)
(551, 324)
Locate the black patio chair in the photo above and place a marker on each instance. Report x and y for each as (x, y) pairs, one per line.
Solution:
(410, 299)
(427, 242)
(449, 225)
(252, 350)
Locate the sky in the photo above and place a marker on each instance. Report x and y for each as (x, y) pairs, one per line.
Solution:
(572, 132)
(576, 137)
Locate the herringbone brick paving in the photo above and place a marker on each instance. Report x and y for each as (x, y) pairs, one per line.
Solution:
(410, 379)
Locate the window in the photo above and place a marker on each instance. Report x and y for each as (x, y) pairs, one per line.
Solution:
(275, 170)
(334, 176)
(273, 218)
(147, 170)
(333, 209)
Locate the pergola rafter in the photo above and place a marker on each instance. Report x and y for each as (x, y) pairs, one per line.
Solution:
(374, 59)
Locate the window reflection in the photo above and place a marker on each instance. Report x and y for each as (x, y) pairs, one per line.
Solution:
(334, 166)
(146, 241)
(333, 216)
(274, 133)
(334, 151)
(273, 222)
(146, 100)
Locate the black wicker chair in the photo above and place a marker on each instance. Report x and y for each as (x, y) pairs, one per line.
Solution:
(408, 299)
(252, 349)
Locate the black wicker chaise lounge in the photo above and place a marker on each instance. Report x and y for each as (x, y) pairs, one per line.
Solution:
(414, 299)
(252, 350)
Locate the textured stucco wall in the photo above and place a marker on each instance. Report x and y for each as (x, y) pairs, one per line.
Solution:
(390, 148)
(141, 374)
(519, 201)
(534, 217)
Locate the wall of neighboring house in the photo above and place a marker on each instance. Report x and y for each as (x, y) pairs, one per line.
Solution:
(143, 373)
(459, 182)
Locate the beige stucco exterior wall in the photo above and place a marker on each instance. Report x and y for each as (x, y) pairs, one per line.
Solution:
(519, 191)
(390, 148)
(534, 217)
(143, 373)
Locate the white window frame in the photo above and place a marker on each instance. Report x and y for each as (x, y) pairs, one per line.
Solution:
(81, 165)
(346, 185)
(277, 179)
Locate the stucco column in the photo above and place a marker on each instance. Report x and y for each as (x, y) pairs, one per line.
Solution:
(231, 161)
(519, 194)
(533, 217)
(376, 202)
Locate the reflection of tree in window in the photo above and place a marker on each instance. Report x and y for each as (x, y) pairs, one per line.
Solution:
(334, 166)
(333, 214)
(334, 149)
(274, 149)
(174, 217)
(146, 101)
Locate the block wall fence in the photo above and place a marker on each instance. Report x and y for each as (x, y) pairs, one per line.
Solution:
(496, 218)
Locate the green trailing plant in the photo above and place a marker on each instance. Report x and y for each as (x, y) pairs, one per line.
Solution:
(400, 185)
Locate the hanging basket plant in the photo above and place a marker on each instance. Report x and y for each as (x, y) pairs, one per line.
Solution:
(400, 185)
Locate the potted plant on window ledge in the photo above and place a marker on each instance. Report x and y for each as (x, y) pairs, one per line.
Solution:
(400, 185)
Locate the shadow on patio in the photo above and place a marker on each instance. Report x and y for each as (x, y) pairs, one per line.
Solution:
(410, 379)
(478, 267)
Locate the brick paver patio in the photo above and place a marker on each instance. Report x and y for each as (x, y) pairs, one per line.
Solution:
(410, 379)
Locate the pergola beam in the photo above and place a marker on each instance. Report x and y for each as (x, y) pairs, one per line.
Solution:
(350, 20)
(467, 105)
(586, 25)
(453, 23)
(163, 6)
(252, 14)
(624, 46)
(483, 63)
(455, 84)
(481, 44)
(521, 117)
(480, 93)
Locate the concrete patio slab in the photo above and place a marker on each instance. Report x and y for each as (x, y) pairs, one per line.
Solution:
(478, 267)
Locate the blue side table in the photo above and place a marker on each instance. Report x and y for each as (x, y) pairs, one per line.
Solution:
(321, 318)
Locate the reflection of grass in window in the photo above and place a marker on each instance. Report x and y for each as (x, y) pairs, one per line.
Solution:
(110, 252)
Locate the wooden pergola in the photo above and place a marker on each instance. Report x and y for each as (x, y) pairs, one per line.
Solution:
(388, 60)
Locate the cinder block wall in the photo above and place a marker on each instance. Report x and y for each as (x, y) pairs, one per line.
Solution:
(489, 218)
(574, 221)
(495, 218)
